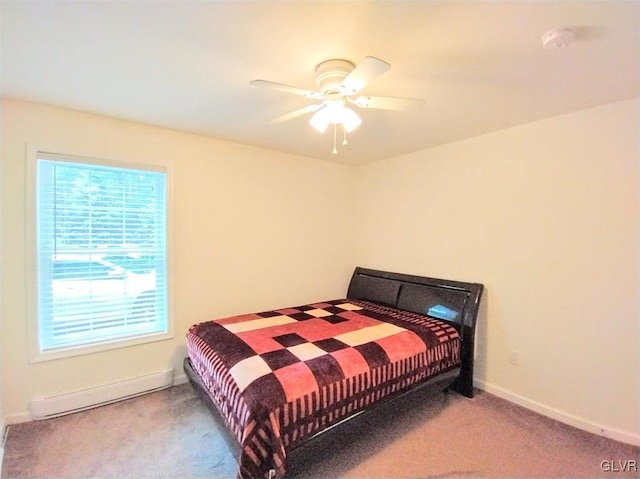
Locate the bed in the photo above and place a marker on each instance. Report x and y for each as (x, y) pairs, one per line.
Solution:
(279, 379)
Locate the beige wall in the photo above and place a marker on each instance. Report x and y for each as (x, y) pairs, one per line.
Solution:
(2, 416)
(253, 229)
(546, 216)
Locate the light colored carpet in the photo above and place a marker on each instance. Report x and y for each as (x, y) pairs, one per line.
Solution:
(171, 434)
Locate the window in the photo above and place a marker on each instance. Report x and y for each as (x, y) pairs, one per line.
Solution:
(101, 252)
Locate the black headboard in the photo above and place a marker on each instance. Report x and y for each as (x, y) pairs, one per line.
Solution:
(456, 302)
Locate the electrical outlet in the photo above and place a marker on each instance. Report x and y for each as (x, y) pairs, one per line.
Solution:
(514, 358)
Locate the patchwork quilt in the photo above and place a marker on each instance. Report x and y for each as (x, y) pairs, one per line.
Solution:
(279, 377)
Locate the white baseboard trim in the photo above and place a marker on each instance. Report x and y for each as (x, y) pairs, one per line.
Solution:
(17, 418)
(60, 404)
(627, 437)
(180, 379)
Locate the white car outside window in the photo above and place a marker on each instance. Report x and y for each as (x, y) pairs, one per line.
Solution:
(90, 293)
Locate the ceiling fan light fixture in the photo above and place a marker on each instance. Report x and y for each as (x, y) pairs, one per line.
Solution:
(320, 120)
(338, 80)
(336, 114)
(350, 120)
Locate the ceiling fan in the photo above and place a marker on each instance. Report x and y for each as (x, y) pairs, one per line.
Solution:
(339, 81)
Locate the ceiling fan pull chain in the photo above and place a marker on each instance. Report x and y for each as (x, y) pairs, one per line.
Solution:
(335, 151)
(344, 141)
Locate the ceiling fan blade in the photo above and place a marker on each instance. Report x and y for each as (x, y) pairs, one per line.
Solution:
(390, 103)
(295, 114)
(367, 70)
(287, 89)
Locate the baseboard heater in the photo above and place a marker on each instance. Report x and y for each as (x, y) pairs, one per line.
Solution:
(67, 403)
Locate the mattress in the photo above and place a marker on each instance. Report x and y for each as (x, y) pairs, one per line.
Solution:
(279, 377)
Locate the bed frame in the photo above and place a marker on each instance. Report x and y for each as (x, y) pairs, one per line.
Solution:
(418, 294)
(455, 302)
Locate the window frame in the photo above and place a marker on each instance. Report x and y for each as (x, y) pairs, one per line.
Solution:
(31, 253)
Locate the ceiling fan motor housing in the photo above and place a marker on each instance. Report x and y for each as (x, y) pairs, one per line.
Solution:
(329, 74)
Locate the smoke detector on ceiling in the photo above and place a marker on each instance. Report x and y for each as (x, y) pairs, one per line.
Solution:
(558, 38)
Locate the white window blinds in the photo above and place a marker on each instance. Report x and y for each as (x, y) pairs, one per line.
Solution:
(101, 252)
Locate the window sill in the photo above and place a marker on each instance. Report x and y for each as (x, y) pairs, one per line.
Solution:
(73, 351)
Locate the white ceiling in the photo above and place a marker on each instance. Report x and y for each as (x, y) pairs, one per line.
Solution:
(187, 65)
